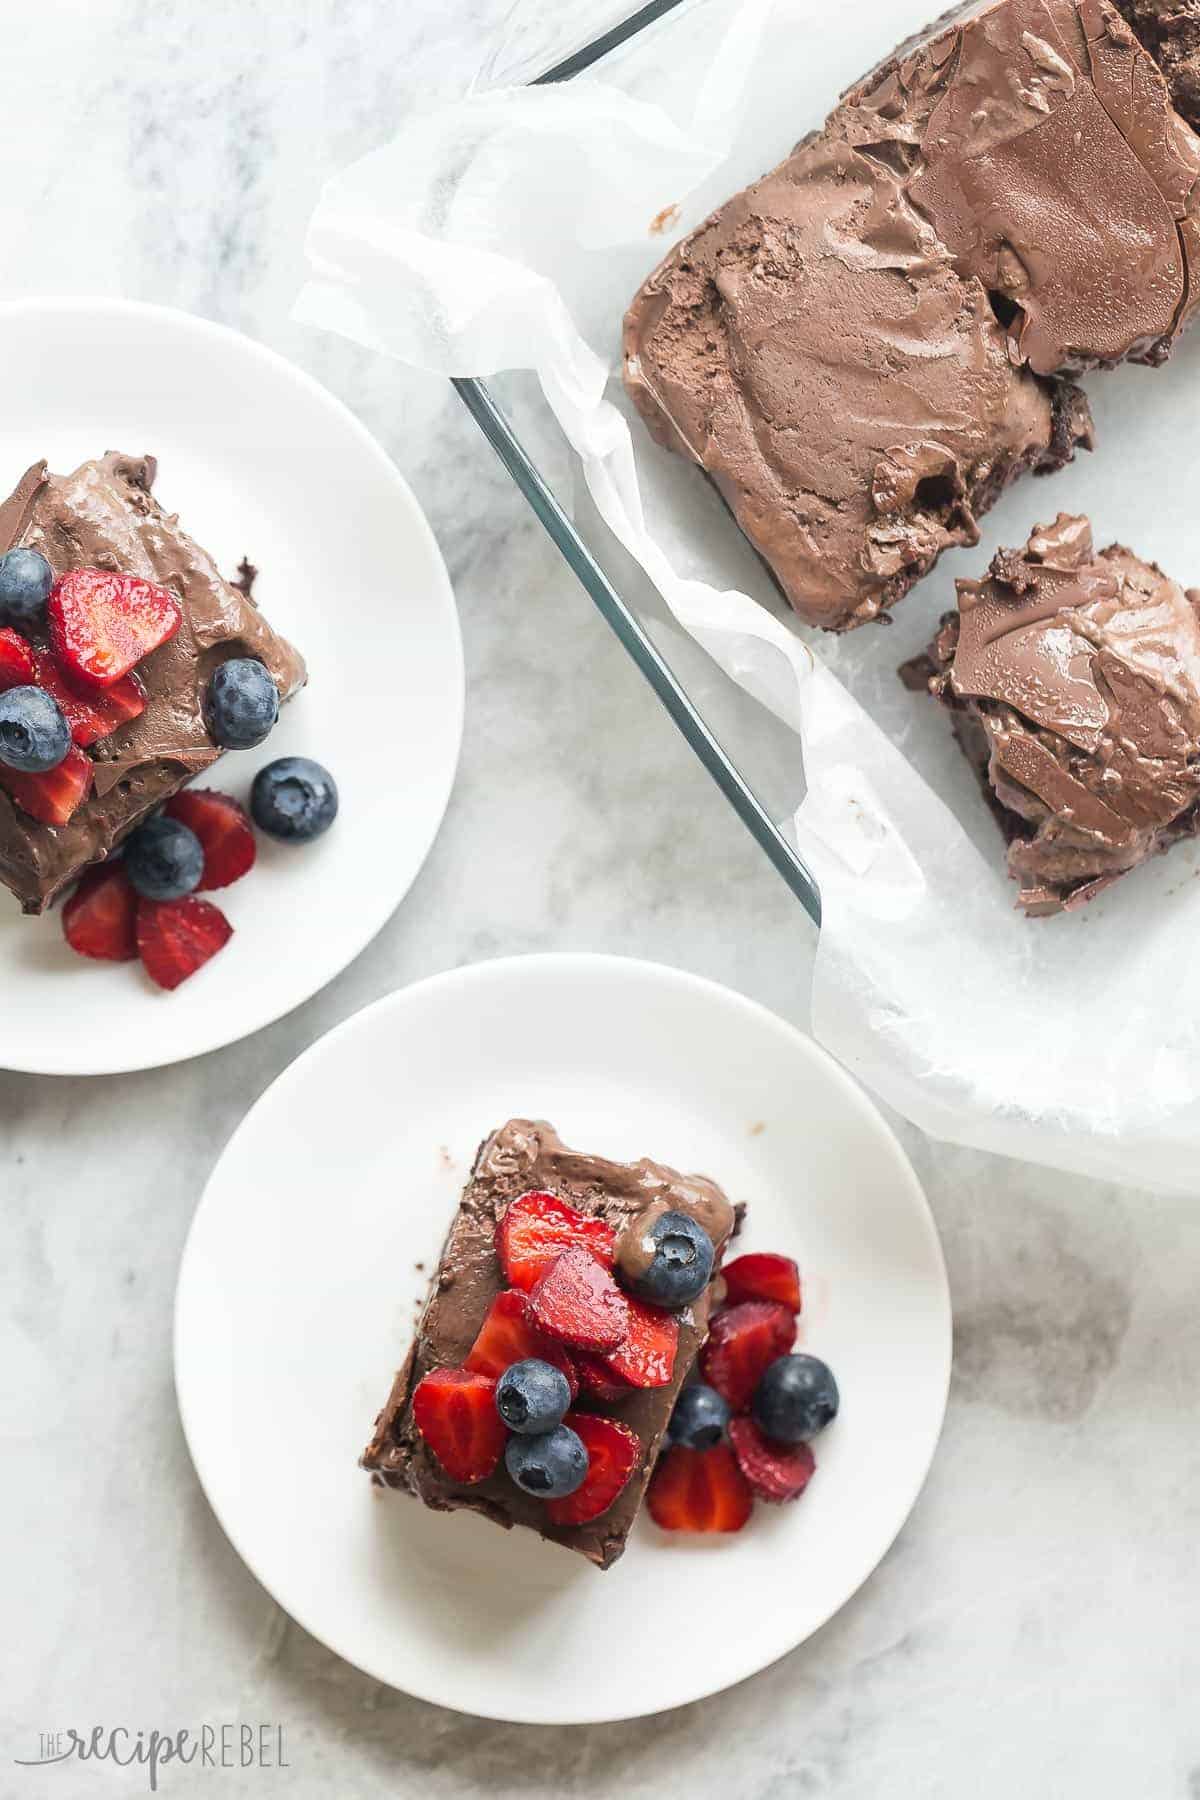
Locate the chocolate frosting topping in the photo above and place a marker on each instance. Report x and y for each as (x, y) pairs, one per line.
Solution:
(1075, 681)
(104, 517)
(1170, 30)
(865, 348)
(526, 1154)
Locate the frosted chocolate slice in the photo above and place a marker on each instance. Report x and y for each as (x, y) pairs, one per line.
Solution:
(1073, 684)
(104, 516)
(522, 1156)
(865, 348)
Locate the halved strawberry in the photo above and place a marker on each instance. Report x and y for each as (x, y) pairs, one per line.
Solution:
(699, 1490)
(97, 714)
(614, 1451)
(742, 1340)
(224, 830)
(598, 1380)
(508, 1336)
(55, 797)
(646, 1359)
(177, 937)
(537, 1227)
(579, 1303)
(100, 917)
(102, 625)
(18, 664)
(455, 1412)
(776, 1472)
(763, 1276)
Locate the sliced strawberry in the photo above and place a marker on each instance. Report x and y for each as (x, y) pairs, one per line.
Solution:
(646, 1359)
(537, 1227)
(97, 714)
(742, 1340)
(598, 1380)
(18, 664)
(579, 1303)
(614, 1452)
(177, 937)
(55, 797)
(699, 1490)
(455, 1412)
(224, 830)
(763, 1276)
(776, 1472)
(100, 917)
(102, 625)
(508, 1336)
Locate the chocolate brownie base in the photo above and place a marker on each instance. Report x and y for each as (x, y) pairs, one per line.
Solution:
(1073, 685)
(522, 1156)
(104, 516)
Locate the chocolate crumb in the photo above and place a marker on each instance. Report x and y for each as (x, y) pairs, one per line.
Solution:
(245, 578)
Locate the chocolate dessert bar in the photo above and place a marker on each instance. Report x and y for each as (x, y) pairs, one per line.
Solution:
(527, 1158)
(1073, 685)
(105, 517)
(865, 348)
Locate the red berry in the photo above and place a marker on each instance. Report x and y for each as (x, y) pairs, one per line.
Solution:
(177, 937)
(102, 625)
(598, 1380)
(99, 918)
(742, 1340)
(537, 1227)
(55, 797)
(776, 1472)
(508, 1336)
(579, 1303)
(763, 1276)
(455, 1412)
(614, 1452)
(699, 1490)
(224, 830)
(647, 1357)
(96, 714)
(18, 664)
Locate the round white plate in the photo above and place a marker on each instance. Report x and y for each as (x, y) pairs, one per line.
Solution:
(259, 461)
(308, 1255)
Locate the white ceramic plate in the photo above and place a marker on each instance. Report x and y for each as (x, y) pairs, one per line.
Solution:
(259, 461)
(301, 1276)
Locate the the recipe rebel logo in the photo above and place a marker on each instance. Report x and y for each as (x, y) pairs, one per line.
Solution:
(229, 1746)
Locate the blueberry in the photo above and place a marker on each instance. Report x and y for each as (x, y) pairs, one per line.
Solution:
(294, 799)
(25, 582)
(163, 859)
(700, 1418)
(34, 736)
(532, 1396)
(241, 705)
(681, 1266)
(796, 1398)
(549, 1466)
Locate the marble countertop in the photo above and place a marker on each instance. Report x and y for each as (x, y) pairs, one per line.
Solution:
(1033, 1630)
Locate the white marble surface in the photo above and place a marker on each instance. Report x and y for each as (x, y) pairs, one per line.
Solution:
(1034, 1629)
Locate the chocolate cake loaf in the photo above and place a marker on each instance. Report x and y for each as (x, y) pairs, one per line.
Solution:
(105, 517)
(1073, 685)
(527, 1158)
(865, 348)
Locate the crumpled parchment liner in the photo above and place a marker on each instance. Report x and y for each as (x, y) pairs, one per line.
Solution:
(508, 231)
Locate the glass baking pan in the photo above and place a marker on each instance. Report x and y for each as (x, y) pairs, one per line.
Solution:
(742, 746)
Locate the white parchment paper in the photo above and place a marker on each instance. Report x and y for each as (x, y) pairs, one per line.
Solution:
(509, 231)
